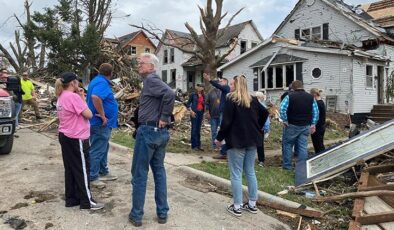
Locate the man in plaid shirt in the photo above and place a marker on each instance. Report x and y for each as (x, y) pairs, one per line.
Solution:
(299, 113)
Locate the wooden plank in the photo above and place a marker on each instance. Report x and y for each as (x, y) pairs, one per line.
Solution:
(377, 218)
(376, 205)
(300, 211)
(370, 227)
(389, 187)
(354, 225)
(380, 169)
(355, 195)
(358, 207)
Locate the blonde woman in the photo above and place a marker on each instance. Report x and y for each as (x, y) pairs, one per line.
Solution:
(318, 136)
(74, 132)
(241, 128)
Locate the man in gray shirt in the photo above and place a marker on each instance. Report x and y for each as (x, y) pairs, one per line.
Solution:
(156, 106)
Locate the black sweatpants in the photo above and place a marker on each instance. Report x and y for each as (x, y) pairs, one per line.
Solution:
(75, 154)
(260, 151)
(318, 140)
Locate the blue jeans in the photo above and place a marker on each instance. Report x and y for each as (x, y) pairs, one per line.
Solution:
(99, 142)
(196, 129)
(297, 137)
(149, 149)
(215, 123)
(242, 160)
(18, 107)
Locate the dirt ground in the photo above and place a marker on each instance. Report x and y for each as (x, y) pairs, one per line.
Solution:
(32, 195)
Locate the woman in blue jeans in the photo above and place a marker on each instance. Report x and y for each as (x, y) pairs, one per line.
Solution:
(241, 128)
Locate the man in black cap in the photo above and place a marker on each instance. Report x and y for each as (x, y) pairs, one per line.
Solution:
(196, 106)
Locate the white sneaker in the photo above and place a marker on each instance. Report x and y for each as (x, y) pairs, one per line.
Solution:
(108, 177)
(97, 184)
(96, 206)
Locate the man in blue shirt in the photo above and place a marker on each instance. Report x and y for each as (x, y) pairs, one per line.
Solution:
(299, 113)
(102, 103)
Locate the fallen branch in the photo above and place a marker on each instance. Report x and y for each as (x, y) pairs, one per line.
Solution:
(299, 211)
(355, 195)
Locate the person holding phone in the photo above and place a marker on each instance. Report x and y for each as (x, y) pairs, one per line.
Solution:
(74, 132)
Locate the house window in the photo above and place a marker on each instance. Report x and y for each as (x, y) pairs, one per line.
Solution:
(254, 44)
(172, 55)
(316, 73)
(262, 80)
(369, 76)
(173, 75)
(147, 50)
(289, 74)
(243, 47)
(164, 75)
(279, 76)
(133, 50)
(165, 57)
(316, 33)
(306, 33)
(270, 78)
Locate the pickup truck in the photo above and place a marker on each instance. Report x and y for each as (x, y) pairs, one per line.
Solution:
(7, 115)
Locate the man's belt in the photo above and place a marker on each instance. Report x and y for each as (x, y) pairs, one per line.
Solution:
(150, 123)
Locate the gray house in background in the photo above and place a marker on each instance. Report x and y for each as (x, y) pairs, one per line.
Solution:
(328, 45)
(183, 71)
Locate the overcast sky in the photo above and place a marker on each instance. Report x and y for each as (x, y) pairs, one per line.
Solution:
(165, 14)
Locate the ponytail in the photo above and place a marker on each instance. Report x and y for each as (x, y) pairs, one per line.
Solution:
(60, 86)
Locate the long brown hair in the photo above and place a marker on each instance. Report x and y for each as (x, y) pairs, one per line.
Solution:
(240, 95)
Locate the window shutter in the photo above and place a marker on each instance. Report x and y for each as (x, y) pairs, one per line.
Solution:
(297, 34)
(325, 31)
(299, 71)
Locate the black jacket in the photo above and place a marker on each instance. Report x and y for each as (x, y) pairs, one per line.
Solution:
(242, 127)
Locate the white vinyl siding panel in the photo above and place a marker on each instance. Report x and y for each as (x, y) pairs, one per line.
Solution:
(341, 28)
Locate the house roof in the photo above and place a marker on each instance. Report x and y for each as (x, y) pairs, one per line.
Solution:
(125, 39)
(194, 61)
(305, 46)
(231, 32)
(382, 12)
(279, 59)
(357, 15)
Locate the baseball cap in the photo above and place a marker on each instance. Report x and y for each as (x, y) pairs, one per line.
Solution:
(67, 77)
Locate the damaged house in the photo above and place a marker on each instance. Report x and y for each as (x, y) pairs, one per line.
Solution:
(183, 71)
(328, 45)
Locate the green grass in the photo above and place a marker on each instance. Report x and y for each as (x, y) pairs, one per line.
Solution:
(269, 179)
(123, 138)
(180, 138)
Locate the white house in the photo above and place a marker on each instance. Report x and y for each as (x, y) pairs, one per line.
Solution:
(326, 44)
(182, 70)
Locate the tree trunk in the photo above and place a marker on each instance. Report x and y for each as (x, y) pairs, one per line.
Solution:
(10, 59)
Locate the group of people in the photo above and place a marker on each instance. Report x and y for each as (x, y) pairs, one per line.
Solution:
(244, 124)
(85, 126)
(23, 94)
(243, 120)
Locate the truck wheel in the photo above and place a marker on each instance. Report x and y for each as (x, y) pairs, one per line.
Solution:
(6, 149)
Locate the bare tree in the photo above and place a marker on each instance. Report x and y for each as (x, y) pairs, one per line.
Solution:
(98, 13)
(18, 59)
(29, 36)
(205, 44)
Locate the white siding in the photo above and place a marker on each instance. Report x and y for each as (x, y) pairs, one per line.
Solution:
(364, 97)
(179, 58)
(341, 28)
(249, 35)
(335, 79)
